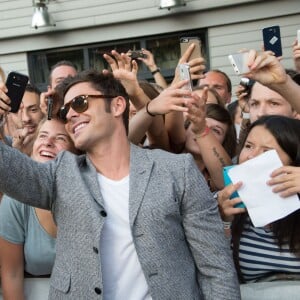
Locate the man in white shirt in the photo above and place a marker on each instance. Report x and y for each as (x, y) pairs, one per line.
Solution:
(132, 223)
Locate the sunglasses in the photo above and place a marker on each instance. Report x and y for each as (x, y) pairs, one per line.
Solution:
(79, 104)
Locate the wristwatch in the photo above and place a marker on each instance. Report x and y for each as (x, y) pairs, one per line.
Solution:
(155, 71)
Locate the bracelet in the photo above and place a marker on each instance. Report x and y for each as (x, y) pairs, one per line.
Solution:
(204, 133)
(155, 71)
(226, 225)
(147, 110)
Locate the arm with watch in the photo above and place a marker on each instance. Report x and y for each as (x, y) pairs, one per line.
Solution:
(149, 61)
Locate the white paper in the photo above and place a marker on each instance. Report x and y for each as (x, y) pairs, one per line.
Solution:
(264, 206)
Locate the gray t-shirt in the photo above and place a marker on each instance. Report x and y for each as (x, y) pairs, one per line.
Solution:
(19, 225)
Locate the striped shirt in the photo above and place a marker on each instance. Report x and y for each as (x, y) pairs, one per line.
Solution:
(260, 256)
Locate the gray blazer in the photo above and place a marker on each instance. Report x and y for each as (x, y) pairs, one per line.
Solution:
(174, 221)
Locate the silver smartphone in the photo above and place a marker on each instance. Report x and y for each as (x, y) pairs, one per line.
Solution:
(239, 62)
(184, 73)
(298, 37)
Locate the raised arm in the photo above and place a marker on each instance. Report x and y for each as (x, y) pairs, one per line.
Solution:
(267, 69)
(296, 55)
(149, 61)
(175, 121)
(171, 99)
(213, 153)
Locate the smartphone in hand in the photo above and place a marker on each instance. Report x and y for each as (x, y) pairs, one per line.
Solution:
(227, 181)
(184, 73)
(49, 108)
(16, 84)
(185, 42)
(272, 39)
(239, 62)
(298, 37)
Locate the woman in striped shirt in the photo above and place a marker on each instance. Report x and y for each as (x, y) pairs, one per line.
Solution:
(271, 252)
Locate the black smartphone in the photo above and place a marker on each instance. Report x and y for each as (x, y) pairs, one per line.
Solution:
(49, 108)
(272, 39)
(16, 85)
(185, 42)
(136, 54)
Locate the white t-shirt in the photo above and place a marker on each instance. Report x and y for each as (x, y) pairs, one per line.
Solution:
(123, 277)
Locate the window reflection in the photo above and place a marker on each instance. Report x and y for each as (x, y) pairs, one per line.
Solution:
(166, 50)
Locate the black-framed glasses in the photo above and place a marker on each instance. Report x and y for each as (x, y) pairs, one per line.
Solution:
(79, 104)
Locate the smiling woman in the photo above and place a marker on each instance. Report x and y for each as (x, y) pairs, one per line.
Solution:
(27, 234)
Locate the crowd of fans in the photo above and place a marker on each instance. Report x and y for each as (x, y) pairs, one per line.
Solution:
(206, 123)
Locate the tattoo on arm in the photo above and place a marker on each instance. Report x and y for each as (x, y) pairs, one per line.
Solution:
(220, 158)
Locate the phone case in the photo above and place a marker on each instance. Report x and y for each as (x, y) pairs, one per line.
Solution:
(185, 42)
(227, 181)
(239, 62)
(16, 85)
(272, 39)
(184, 73)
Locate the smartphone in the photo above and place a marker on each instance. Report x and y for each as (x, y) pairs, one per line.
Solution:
(247, 84)
(185, 42)
(136, 54)
(16, 85)
(227, 181)
(272, 39)
(298, 37)
(49, 108)
(184, 73)
(239, 62)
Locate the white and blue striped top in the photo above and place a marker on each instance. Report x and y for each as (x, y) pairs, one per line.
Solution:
(260, 256)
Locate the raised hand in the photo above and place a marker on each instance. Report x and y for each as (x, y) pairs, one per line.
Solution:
(174, 98)
(226, 205)
(296, 55)
(197, 65)
(285, 181)
(265, 68)
(4, 100)
(125, 70)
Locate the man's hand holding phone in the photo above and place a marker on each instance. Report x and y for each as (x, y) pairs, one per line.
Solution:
(4, 100)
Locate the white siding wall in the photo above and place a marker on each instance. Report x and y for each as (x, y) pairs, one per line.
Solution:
(231, 24)
(224, 40)
(14, 62)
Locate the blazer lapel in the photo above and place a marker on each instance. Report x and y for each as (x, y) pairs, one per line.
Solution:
(89, 175)
(140, 171)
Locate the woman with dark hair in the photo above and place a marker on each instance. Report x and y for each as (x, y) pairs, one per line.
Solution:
(272, 252)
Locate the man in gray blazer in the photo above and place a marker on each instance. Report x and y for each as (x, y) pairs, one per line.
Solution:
(132, 223)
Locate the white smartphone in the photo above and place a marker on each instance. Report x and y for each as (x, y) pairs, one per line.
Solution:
(298, 37)
(239, 62)
(184, 73)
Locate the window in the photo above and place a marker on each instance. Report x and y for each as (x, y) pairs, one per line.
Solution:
(165, 48)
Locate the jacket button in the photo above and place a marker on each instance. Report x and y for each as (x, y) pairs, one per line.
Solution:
(103, 213)
(95, 250)
(98, 291)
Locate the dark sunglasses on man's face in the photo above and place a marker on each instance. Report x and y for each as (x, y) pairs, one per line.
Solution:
(79, 104)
